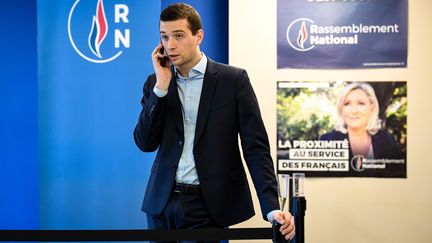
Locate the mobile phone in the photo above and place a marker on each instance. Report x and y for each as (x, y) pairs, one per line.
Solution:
(163, 61)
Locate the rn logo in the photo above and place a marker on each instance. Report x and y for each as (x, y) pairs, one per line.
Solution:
(98, 33)
(357, 163)
(297, 34)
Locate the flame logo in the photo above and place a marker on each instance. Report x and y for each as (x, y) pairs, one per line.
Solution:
(302, 36)
(98, 33)
(357, 163)
(297, 34)
(99, 29)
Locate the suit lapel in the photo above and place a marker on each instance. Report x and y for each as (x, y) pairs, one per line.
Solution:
(207, 94)
(175, 104)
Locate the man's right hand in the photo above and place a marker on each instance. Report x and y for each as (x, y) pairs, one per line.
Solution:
(163, 74)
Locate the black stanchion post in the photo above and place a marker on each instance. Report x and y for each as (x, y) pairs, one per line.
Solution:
(277, 236)
(298, 206)
(298, 209)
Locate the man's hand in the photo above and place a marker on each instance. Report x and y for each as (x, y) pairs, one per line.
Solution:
(163, 74)
(287, 223)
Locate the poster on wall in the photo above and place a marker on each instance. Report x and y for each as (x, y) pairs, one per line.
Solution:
(342, 34)
(342, 128)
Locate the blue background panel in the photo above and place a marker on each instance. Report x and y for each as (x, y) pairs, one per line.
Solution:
(18, 116)
(92, 176)
(68, 159)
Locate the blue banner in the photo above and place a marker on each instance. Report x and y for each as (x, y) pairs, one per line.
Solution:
(93, 57)
(19, 196)
(342, 34)
(70, 92)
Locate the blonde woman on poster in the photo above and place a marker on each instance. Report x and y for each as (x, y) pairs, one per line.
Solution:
(358, 122)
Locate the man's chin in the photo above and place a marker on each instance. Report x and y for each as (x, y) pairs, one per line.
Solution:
(176, 62)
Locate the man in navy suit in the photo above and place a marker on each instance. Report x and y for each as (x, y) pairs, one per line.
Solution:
(193, 111)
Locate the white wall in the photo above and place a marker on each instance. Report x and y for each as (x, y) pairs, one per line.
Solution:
(350, 210)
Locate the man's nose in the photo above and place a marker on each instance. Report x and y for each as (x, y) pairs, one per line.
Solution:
(171, 44)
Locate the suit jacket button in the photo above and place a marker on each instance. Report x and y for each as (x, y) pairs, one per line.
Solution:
(180, 143)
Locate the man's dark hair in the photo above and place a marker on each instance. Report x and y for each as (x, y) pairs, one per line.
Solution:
(178, 11)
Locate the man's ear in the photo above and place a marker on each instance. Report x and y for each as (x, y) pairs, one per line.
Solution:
(200, 36)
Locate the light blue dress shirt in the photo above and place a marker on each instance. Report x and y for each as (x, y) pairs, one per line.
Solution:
(189, 90)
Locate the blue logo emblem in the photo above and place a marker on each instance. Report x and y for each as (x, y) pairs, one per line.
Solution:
(96, 36)
(297, 34)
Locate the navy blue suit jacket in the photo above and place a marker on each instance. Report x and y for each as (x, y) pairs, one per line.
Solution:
(228, 107)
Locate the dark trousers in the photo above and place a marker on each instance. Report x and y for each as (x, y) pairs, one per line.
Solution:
(183, 211)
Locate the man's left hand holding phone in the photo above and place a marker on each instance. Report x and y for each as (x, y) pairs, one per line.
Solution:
(162, 67)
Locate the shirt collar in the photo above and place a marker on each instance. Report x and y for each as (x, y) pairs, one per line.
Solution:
(201, 65)
(199, 68)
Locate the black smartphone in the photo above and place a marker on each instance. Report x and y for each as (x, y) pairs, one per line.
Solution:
(163, 61)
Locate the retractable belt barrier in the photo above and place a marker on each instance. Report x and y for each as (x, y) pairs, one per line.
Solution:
(134, 235)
